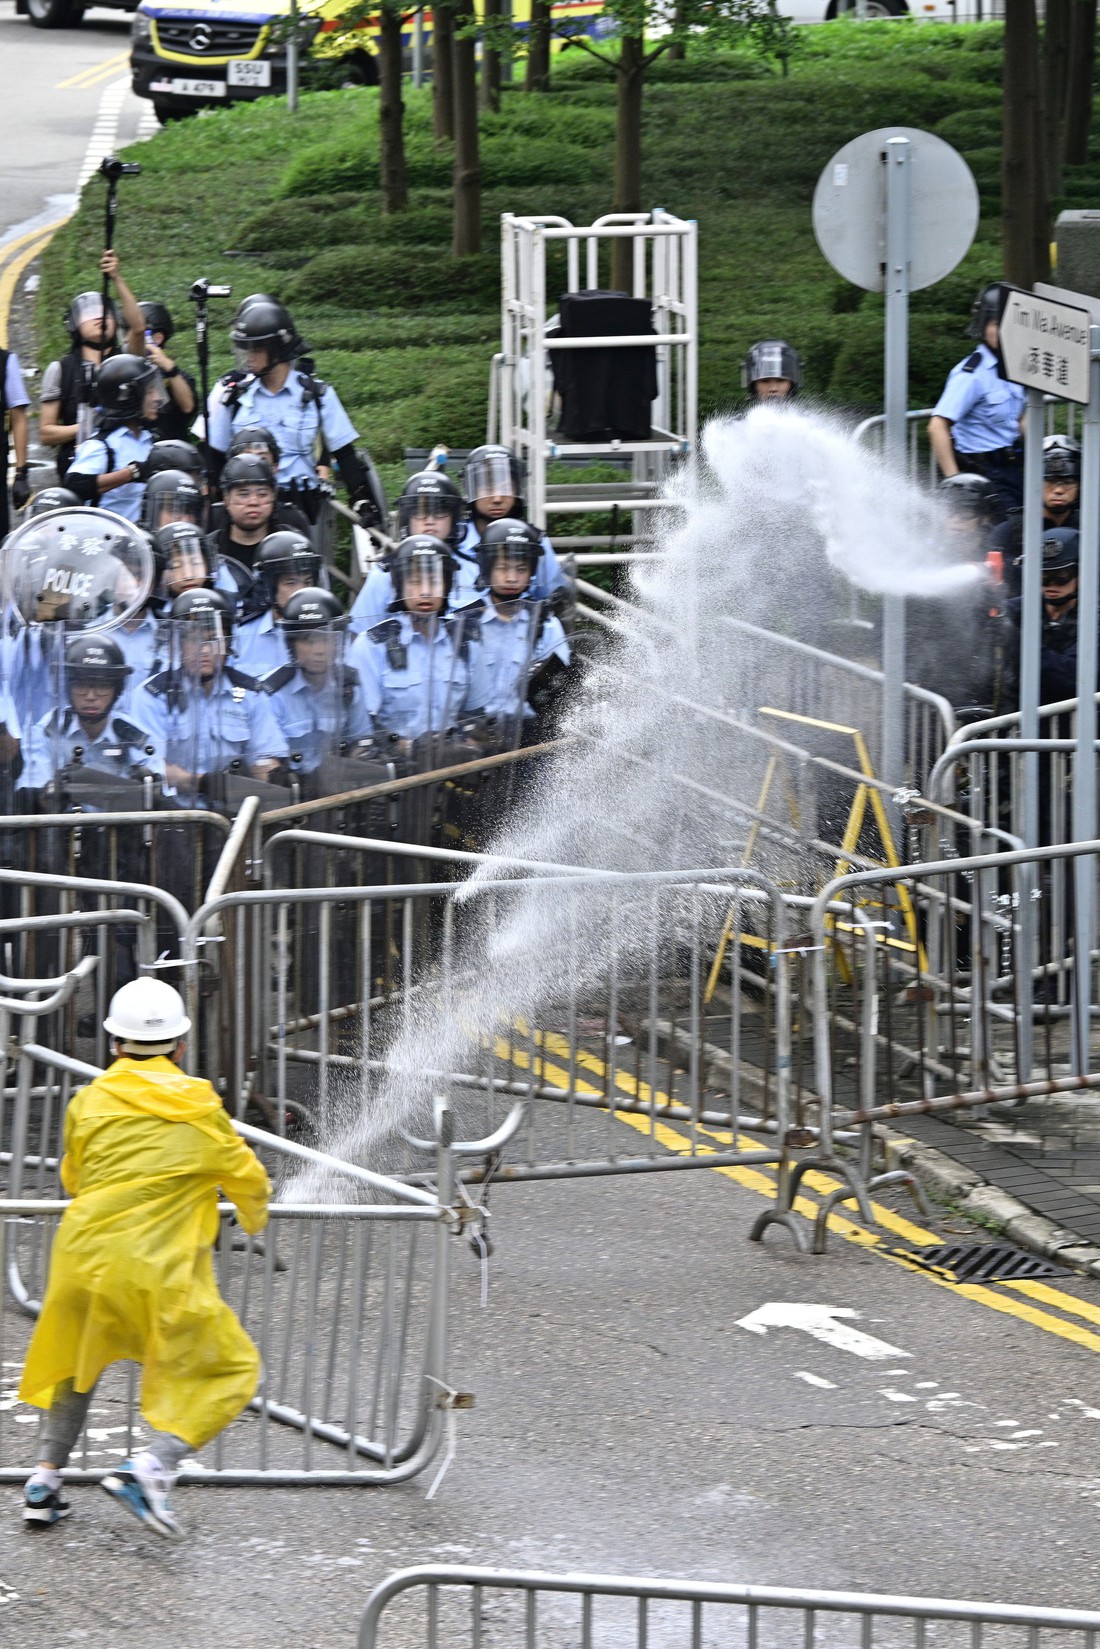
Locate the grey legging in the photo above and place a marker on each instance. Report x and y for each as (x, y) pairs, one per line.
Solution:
(65, 1422)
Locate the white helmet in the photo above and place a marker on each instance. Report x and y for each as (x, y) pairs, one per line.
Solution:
(148, 1016)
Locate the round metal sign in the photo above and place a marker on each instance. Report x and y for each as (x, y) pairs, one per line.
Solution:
(850, 208)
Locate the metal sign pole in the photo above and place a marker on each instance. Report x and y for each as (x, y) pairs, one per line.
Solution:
(897, 160)
(1084, 761)
(1031, 626)
(292, 59)
(418, 49)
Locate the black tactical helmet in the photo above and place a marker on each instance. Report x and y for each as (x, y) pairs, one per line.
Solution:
(96, 659)
(1061, 550)
(510, 538)
(177, 538)
(495, 472)
(250, 437)
(968, 494)
(440, 494)
(52, 498)
(120, 387)
(772, 358)
(88, 306)
(986, 307)
(262, 322)
(283, 553)
(172, 495)
(203, 607)
(247, 470)
(311, 610)
(1061, 458)
(174, 455)
(157, 318)
(422, 549)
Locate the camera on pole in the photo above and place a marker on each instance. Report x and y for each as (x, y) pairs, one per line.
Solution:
(200, 292)
(112, 169)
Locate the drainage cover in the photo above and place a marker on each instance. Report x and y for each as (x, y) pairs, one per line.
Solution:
(981, 1262)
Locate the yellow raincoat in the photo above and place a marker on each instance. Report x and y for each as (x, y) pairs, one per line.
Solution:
(131, 1274)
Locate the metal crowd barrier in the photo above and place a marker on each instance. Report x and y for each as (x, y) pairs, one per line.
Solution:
(439, 1604)
(346, 1301)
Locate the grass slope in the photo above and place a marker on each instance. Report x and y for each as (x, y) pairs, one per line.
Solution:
(265, 201)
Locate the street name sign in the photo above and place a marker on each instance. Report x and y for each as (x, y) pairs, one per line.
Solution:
(1045, 345)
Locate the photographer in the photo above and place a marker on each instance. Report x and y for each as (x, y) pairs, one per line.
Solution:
(174, 420)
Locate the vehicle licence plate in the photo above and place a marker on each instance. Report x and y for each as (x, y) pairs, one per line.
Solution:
(248, 72)
(190, 88)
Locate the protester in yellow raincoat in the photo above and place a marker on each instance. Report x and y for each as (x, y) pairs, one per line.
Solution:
(131, 1273)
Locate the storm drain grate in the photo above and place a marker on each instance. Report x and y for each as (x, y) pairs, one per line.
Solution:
(981, 1262)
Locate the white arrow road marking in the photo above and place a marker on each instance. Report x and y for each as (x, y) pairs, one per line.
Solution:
(821, 1322)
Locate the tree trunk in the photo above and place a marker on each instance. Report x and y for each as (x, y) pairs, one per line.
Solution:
(1082, 60)
(678, 50)
(490, 60)
(1056, 32)
(391, 113)
(630, 86)
(1024, 203)
(443, 84)
(467, 166)
(538, 48)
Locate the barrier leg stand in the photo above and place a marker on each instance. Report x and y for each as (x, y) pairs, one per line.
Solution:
(782, 1212)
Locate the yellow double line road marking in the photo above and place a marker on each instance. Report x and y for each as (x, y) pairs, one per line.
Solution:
(14, 258)
(93, 75)
(763, 1182)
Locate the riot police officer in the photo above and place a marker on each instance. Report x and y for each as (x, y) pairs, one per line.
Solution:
(1058, 654)
(174, 419)
(52, 498)
(977, 422)
(173, 495)
(431, 503)
(87, 735)
(495, 486)
(187, 560)
(279, 390)
(1061, 492)
(771, 371)
(109, 467)
(317, 697)
(208, 718)
(416, 666)
(248, 499)
(286, 562)
(518, 638)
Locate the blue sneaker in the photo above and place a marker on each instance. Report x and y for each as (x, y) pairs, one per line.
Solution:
(43, 1506)
(143, 1491)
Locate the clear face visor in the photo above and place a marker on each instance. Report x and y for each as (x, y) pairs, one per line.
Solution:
(187, 568)
(257, 355)
(164, 507)
(319, 653)
(424, 577)
(493, 477)
(511, 567)
(298, 572)
(79, 568)
(88, 307)
(434, 516)
(155, 398)
(200, 645)
(771, 360)
(255, 449)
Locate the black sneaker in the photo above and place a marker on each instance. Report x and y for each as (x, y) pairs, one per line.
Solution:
(43, 1506)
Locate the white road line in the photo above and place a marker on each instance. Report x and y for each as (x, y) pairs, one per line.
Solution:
(105, 131)
(148, 125)
(815, 1380)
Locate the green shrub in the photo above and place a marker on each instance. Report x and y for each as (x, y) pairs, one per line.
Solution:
(390, 277)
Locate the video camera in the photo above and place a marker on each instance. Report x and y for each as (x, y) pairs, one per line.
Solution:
(112, 168)
(202, 289)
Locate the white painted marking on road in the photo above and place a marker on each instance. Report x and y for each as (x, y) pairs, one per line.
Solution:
(896, 1396)
(1006, 1422)
(820, 1321)
(815, 1379)
(927, 1385)
(1089, 1414)
(105, 131)
(1027, 1434)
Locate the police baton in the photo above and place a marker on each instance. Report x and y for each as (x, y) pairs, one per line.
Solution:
(200, 292)
(112, 169)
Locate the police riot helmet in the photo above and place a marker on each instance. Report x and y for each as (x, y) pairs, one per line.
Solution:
(97, 660)
(312, 610)
(253, 438)
(178, 539)
(247, 469)
(1061, 458)
(496, 472)
(422, 550)
(986, 307)
(121, 385)
(431, 495)
(207, 607)
(174, 455)
(264, 323)
(1061, 550)
(772, 358)
(52, 498)
(88, 306)
(157, 318)
(172, 495)
(510, 538)
(969, 494)
(286, 554)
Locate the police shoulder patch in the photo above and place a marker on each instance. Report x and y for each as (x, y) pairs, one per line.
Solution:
(972, 362)
(238, 678)
(281, 676)
(161, 683)
(388, 630)
(128, 731)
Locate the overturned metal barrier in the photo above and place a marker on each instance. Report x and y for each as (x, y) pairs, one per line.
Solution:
(436, 1605)
(347, 1303)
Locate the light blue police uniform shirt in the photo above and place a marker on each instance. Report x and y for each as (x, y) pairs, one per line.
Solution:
(316, 722)
(372, 604)
(259, 646)
(113, 450)
(430, 690)
(140, 648)
(508, 651)
(15, 391)
(208, 732)
(52, 742)
(548, 575)
(290, 414)
(984, 408)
